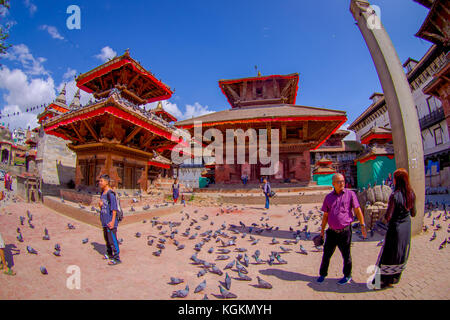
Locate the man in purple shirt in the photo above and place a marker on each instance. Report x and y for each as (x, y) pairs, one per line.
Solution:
(337, 212)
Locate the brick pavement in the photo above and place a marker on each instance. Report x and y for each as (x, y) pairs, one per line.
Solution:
(144, 276)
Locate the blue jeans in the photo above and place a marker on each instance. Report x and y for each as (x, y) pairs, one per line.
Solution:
(267, 201)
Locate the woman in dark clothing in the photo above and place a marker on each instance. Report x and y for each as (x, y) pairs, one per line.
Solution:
(395, 251)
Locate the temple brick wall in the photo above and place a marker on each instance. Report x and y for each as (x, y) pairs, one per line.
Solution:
(55, 163)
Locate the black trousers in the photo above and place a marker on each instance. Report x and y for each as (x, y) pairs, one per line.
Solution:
(343, 241)
(112, 245)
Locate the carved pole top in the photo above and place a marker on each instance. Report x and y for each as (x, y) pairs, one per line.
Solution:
(357, 7)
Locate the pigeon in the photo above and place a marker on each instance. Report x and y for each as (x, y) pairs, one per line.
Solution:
(263, 284)
(200, 287)
(138, 234)
(70, 226)
(223, 257)
(443, 244)
(150, 242)
(57, 247)
(30, 216)
(46, 236)
(285, 249)
(241, 268)
(31, 250)
(280, 259)
(180, 293)
(240, 249)
(84, 241)
(202, 273)
(30, 225)
(160, 246)
(157, 253)
(180, 247)
(243, 276)
(224, 251)
(20, 238)
(229, 265)
(57, 253)
(258, 260)
(303, 250)
(216, 270)
(43, 270)
(226, 294)
(255, 242)
(22, 219)
(211, 250)
(433, 236)
(246, 261)
(174, 280)
(227, 283)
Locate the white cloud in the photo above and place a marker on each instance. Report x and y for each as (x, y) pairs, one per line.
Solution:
(69, 74)
(106, 54)
(52, 31)
(351, 135)
(190, 111)
(24, 91)
(21, 53)
(31, 6)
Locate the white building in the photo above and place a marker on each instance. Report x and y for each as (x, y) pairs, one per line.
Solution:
(432, 122)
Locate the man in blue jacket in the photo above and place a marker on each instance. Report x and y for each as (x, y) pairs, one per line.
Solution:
(108, 218)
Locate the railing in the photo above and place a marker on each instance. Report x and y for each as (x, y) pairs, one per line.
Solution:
(432, 118)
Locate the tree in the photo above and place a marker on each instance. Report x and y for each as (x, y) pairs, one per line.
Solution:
(4, 30)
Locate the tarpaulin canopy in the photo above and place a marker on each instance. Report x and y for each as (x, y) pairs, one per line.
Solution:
(374, 170)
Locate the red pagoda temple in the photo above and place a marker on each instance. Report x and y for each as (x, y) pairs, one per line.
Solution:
(115, 134)
(268, 102)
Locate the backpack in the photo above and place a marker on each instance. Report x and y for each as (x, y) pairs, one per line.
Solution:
(119, 207)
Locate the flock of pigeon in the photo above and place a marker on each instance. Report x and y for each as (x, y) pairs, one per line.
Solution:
(225, 239)
(436, 217)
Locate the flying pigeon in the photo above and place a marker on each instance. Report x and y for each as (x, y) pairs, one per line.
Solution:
(263, 284)
(180, 293)
(200, 287)
(84, 241)
(31, 250)
(226, 294)
(174, 280)
(43, 270)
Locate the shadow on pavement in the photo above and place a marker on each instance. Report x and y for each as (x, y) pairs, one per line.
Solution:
(329, 285)
(100, 248)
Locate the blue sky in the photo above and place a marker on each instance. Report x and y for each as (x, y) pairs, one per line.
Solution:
(190, 45)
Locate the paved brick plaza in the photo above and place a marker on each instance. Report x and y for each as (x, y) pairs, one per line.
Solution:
(144, 276)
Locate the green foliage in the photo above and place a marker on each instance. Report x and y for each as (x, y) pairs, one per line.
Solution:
(4, 30)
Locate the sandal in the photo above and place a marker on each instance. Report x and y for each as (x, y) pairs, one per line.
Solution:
(114, 262)
(10, 272)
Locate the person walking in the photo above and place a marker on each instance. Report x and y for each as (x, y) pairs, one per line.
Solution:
(3, 264)
(337, 213)
(396, 246)
(266, 189)
(175, 190)
(108, 218)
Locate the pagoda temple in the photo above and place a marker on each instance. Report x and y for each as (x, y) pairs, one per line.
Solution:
(268, 102)
(323, 172)
(114, 134)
